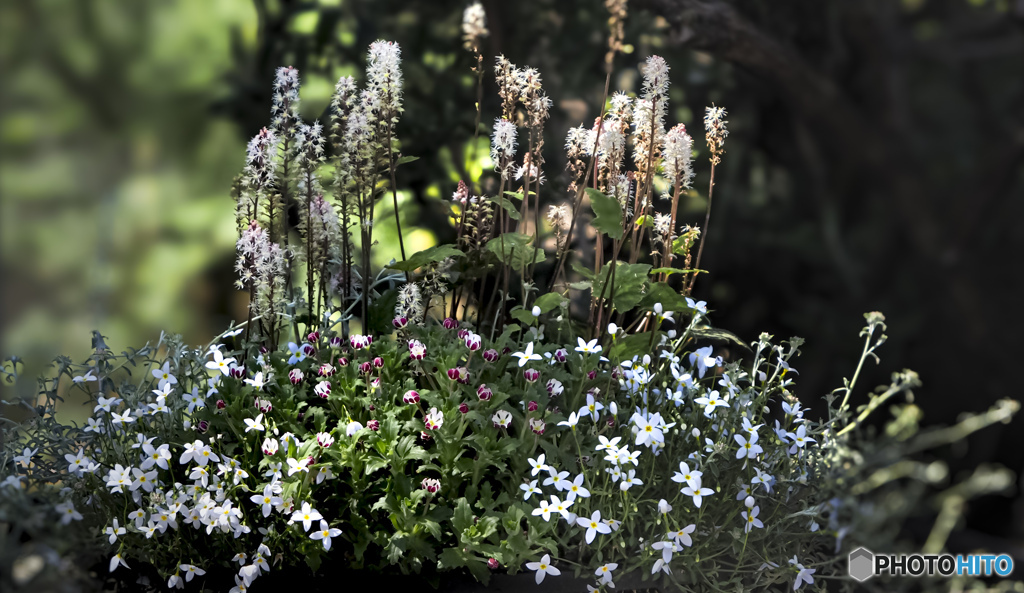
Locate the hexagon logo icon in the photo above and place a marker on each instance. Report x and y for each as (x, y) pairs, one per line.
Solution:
(862, 563)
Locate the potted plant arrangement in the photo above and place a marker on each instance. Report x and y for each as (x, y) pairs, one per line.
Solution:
(494, 406)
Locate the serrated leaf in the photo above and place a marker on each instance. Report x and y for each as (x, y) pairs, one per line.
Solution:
(427, 256)
(518, 251)
(549, 301)
(607, 213)
(660, 292)
(629, 284)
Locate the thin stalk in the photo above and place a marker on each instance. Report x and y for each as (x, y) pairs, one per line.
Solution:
(703, 231)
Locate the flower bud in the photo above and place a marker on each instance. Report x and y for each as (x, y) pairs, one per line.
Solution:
(532, 406)
(463, 408)
(561, 355)
(411, 397)
(365, 368)
(313, 337)
(323, 389)
(400, 322)
(342, 361)
(309, 350)
(473, 341)
(263, 350)
(491, 355)
(493, 564)
(463, 333)
(484, 392)
(425, 436)
(591, 375)
(324, 439)
(531, 375)
(236, 372)
(202, 426)
(270, 446)
(221, 404)
(335, 342)
(537, 425)
(373, 425)
(378, 362)
(326, 370)
(431, 485)
(449, 323)
(295, 376)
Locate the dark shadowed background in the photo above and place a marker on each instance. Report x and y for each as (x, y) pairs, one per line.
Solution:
(874, 162)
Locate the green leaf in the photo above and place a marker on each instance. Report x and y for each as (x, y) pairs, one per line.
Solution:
(583, 271)
(549, 301)
(632, 345)
(463, 518)
(406, 159)
(630, 280)
(607, 213)
(660, 292)
(717, 335)
(313, 561)
(671, 271)
(645, 220)
(524, 316)
(427, 256)
(507, 205)
(518, 251)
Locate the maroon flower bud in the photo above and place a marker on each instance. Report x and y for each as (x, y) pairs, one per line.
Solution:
(399, 322)
(263, 350)
(335, 342)
(491, 355)
(453, 374)
(493, 564)
(373, 425)
(411, 397)
(365, 368)
(313, 337)
(484, 392)
(431, 485)
(463, 333)
(378, 362)
(309, 350)
(342, 361)
(425, 436)
(202, 426)
(464, 408)
(371, 407)
(611, 421)
(449, 323)
(506, 350)
(531, 375)
(591, 375)
(532, 406)
(616, 373)
(295, 376)
(237, 372)
(221, 404)
(561, 355)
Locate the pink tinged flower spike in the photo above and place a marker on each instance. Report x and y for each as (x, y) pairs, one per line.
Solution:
(543, 568)
(325, 533)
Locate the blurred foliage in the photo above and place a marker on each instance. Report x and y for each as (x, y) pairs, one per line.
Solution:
(124, 122)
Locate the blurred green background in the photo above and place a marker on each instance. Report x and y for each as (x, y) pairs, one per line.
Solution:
(874, 163)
